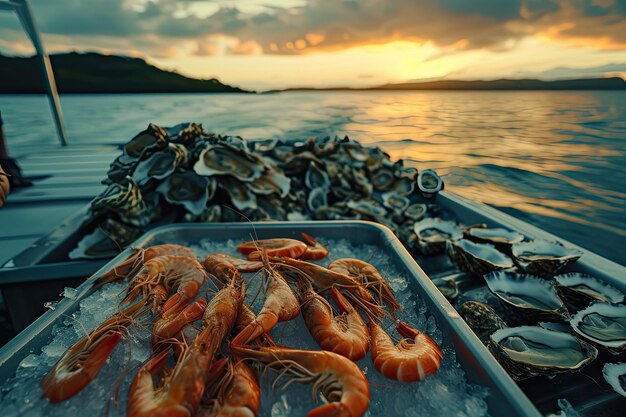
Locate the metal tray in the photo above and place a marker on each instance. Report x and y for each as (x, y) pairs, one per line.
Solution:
(505, 397)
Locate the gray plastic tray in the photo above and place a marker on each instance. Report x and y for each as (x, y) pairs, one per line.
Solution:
(505, 398)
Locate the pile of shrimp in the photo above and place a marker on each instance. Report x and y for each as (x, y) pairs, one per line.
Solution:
(213, 368)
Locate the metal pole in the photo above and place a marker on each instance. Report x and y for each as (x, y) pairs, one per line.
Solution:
(23, 10)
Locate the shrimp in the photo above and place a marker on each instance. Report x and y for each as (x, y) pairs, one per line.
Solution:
(280, 304)
(80, 364)
(274, 247)
(160, 275)
(411, 359)
(131, 265)
(324, 279)
(173, 320)
(345, 334)
(337, 378)
(245, 318)
(221, 268)
(233, 389)
(369, 276)
(242, 265)
(314, 250)
(181, 391)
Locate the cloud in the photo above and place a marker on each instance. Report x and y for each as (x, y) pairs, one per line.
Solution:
(294, 27)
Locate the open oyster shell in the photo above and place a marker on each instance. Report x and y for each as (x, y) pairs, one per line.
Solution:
(579, 290)
(189, 190)
(542, 257)
(496, 236)
(535, 297)
(153, 139)
(433, 233)
(223, 160)
(482, 319)
(161, 164)
(615, 375)
(603, 324)
(429, 183)
(476, 258)
(126, 201)
(528, 351)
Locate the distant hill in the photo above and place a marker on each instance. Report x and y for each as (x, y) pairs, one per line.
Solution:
(614, 83)
(96, 73)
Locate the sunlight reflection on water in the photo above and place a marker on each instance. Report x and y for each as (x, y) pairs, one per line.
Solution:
(555, 159)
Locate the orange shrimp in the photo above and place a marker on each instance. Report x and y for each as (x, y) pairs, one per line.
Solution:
(131, 265)
(242, 265)
(314, 250)
(233, 389)
(181, 391)
(162, 274)
(80, 364)
(221, 268)
(411, 359)
(178, 393)
(174, 319)
(369, 276)
(325, 279)
(273, 247)
(345, 334)
(280, 304)
(337, 378)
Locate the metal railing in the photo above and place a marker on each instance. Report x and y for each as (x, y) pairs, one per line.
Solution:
(23, 11)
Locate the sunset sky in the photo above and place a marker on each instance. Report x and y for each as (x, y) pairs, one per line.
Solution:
(264, 44)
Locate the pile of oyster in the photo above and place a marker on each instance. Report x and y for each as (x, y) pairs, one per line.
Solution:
(184, 174)
(535, 319)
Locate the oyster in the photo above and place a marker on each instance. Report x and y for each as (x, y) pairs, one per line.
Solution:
(152, 139)
(432, 234)
(316, 177)
(184, 133)
(188, 189)
(448, 288)
(403, 186)
(356, 151)
(528, 351)
(495, 236)
(615, 375)
(542, 257)
(105, 241)
(317, 199)
(429, 183)
(395, 201)
(220, 160)
(369, 208)
(240, 195)
(272, 181)
(161, 164)
(122, 167)
(476, 258)
(603, 324)
(482, 319)
(383, 179)
(126, 201)
(264, 146)
(579, 290)
(415, 211)
(534, 296)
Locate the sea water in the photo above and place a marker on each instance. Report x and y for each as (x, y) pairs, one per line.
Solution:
(446, 393)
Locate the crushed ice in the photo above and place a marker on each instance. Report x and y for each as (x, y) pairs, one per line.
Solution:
(446, 393)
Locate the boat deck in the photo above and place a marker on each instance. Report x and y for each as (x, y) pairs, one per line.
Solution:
(64, 181)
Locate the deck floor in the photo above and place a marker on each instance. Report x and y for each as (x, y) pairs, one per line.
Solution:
(65, 179)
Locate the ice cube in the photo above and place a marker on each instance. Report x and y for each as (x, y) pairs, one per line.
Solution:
(69, 292)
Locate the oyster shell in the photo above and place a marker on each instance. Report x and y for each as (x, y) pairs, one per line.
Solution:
(415, 211)
(403, 186)
(542, 257)
(533, 296)
(579, 290)
(528, 351)
(105, 241)
(432, 234)
(383, 179)
(184, 133)
(369, 208)
(448, 288)
(477, 258)
(482, 319)
(239, 193)
(395, 201)
(126, 201)
(122, 167)
(317, 199)
(188, 189)
(603, 324)
(429, 183)
(615, 375)
(152, 139)
(161, 164)
(221, 160)
(495, 236)
(315, 177)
